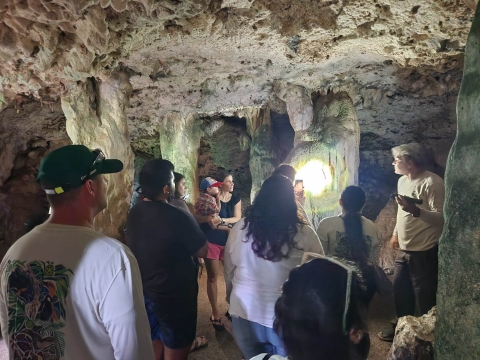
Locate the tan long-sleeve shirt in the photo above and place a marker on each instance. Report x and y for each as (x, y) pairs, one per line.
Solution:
(422, 233)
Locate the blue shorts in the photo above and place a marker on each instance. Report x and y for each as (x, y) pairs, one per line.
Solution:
(175, 328)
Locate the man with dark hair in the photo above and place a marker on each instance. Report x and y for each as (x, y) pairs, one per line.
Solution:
(67, 291)
(416, 232)
(164, 238)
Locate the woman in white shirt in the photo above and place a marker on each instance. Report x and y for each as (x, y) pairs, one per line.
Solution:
(260, 252)
(353, 237)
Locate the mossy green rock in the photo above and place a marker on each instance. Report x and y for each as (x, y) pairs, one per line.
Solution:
(457, 333)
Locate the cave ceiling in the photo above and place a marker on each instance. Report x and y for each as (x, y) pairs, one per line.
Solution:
(214, 56)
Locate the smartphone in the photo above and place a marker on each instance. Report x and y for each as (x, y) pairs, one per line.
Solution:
(298, 186)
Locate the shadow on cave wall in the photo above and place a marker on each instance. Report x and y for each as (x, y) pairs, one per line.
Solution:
(283, 133)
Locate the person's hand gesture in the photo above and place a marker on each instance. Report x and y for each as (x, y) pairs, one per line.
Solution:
(407, 206)
(215, 220)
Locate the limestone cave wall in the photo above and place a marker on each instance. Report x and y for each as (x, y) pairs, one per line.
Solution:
(28, 131)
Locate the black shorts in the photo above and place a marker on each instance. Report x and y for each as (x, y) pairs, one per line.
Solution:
(174, 325)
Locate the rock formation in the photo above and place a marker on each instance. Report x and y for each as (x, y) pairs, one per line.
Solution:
(28, 131)
(96, 118)
(458, 291)
(329, 144)
(414, 338)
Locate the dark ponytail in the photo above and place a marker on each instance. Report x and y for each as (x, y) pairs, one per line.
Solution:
(353, 200)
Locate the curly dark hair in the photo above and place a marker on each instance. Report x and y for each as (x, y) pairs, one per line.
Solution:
(272, 220)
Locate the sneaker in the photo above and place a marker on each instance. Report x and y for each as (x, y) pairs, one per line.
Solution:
(387, 335)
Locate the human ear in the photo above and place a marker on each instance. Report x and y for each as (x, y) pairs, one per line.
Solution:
(90, 186)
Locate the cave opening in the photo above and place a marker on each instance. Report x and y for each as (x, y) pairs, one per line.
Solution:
(226, 149)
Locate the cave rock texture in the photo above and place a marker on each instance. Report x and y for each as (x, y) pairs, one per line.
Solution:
(235, 85)
(96, 118)
(28, 131)
(414, 338)
(458, 304)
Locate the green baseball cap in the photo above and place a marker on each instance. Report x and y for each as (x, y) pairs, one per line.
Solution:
(70, 166)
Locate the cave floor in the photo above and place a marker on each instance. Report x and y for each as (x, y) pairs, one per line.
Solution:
(222, 345)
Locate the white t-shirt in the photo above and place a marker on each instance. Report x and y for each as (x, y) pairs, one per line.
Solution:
(421, 233)
(255, 284)
(331, 232)
(73, 293)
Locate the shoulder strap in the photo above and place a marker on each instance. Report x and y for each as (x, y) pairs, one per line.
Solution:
(266, 357)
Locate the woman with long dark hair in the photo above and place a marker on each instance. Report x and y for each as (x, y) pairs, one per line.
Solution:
(261, 250)
(353, 237)
(319, 314)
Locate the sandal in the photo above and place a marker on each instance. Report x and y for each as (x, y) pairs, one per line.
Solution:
(217, 323)
(387, 335)
(199, 343)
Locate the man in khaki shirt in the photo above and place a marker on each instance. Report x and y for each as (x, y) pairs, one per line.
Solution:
(416, 233)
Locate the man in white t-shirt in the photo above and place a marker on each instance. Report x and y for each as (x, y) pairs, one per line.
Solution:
(416, 233)
(67, 291)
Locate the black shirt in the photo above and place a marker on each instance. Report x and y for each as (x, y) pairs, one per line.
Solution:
(163, 238)
(219, 237)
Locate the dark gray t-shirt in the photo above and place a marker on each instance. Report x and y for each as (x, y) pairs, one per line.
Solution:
(163, 238)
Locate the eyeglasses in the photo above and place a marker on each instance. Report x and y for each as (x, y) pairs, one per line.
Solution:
(100, 157)
(307, 256)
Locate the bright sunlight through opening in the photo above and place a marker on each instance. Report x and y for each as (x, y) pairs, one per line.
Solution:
(316, 176)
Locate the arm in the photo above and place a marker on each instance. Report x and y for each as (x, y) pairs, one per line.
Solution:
(237, 213)
(191, 236)
(202, 252)
(375, 250)
(323, 236)
(228, 266)
(126, 320)
(436, 198)
(312, 242)
(219, 204)
(202, 218)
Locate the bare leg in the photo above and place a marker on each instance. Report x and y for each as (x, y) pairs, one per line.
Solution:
(213, 268)
(158, 349)
(178, 354)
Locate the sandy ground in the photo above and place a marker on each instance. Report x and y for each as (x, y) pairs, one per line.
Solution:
(222, 345)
